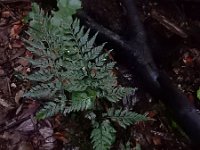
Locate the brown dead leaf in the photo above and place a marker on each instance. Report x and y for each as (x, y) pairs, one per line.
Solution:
(14, 137)
(19, 109)
(28, 54)
(26, 126)
(23, 62)
(46, 132)
(29, 110)
(19, 68)
(4, 85)
(17, 44)
(15, 30)
(6, 14)
(3, 57)
(152, 114)
(5, 104)
(25, 146)
(2, 72)
(64, 137)
(156, 140)
(18, 96)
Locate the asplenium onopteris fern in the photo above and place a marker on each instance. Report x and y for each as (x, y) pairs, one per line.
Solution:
(68, 61)
(103, 135)
(123, 117)
(72, 74)
(198, 93)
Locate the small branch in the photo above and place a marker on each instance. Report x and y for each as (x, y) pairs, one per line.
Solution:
(168, 24)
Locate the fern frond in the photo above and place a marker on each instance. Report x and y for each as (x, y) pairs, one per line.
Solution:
(104, 72)
(94, 53)
(81, 101)
(42, 91)
(52, 108)
(126, 146)
(80, 105)
(76, 26)
(73, 74)
(90, 43)
(34, 46)
(100, 61)
(117, 93)
(90, 116)
(83, 39)
(41, 76)
(124, 117)
(66, 9)
(76, 86)
(103, 136)
(41, 62)
(198, 93)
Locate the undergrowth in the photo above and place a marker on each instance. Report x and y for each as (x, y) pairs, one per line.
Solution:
(71, 74)
(198, 93)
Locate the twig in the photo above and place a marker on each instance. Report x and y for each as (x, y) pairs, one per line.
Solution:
(168, 24)
(12, 123)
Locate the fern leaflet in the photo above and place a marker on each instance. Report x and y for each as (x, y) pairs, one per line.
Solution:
(123, 117)
(103, 136)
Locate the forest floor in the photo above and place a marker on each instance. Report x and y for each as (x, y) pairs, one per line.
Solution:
(18, 128)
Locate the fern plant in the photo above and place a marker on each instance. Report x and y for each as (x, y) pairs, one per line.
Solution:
(72, 74)
(198, 93)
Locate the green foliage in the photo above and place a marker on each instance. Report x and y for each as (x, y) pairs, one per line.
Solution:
(52, 108)
(66, 59)
(123, 117)
(81, 102)
(66, 9)
(127, 146)
(198, 94)
(138, 147)
(72, 74)
(103, 135)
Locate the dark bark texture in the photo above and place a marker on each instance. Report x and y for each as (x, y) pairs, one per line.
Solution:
(109, 13)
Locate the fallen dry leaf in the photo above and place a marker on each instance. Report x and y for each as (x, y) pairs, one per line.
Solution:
(6, 14)
(17, 44)
(4, 85)
(19, 68)
(26, 126)
(19, 109)
(23, 62)
(25, 146)
(64, 137)
(5, 104)
(2, 72)
(156, 140)
(13, 85)
(18, 96)
(15, 30)
(46, 132)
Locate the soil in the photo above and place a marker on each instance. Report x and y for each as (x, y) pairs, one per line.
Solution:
(177, 51)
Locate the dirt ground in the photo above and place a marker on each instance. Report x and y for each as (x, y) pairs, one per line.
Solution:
(180, 58)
